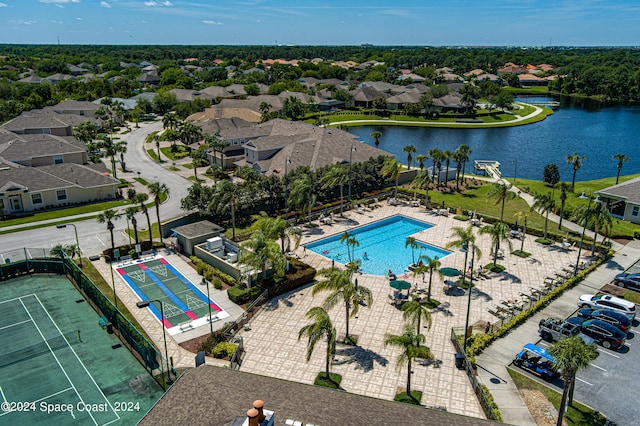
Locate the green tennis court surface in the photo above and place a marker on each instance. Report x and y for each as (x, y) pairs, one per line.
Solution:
(58, 366)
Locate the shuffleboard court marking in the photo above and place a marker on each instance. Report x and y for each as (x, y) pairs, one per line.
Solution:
(169, 293)
(189, 285)
(138, 276)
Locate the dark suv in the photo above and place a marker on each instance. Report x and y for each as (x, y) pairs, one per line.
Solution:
(606, 334)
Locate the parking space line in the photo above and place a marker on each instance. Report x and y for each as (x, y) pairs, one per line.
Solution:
(583, 381)
(608, 353)
(598, 367)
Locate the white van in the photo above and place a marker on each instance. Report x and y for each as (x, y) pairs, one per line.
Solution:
(609, 302)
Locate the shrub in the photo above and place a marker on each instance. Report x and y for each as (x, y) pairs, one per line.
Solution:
(299, 274)
(461, 217)
(240, 296)
(333, 382)
(211, 341)
(217, 283)
(492, 403)
(636, 235)
(210, 272)
(224, 349)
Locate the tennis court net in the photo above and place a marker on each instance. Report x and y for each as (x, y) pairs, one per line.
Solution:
(41, 348)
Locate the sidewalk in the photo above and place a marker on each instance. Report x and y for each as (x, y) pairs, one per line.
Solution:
(492, 363)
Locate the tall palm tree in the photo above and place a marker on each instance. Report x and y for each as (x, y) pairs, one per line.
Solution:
(501, 192)
(320, 328)
(259, 252)
(412, 346)
(409, 149)
(596, 217)
(421, 159)
(564, 187)
(464, 151)
(464, 238)
(411, 242)
(108, 216)
(376, 135)
(422, 180)
(523, 215)
(458, 158)
(302, 194)
(430, 265)
(112, 148)
(157, 138)
(170, 121)
(498, 232)
(351, 243)
(570, 356)
(225, 196)
(337, 175)
(391, 168)
(543, 204)
(447, 155)
(576, 162)
(158, 190)
(436, 156)
(620, 158)
(142, 199)
(272, 227)
(131, 212)
(342, 290)
(415, 313)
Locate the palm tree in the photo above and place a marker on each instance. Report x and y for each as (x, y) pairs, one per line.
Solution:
(108, 216)
(302, 195)
(422, 180)
(156, 139)
(458, 158)
(142, 199)
(523, 216)
(131, 212)
(464, 151)
(409, 149)
(260, 252)
(412, 346)
(620, 158)
(376, 135)
(498, 232)
(111, 149)
(430, 265)
(158, 190)
(570, 356)
(320, 328)
(446, 156)
(501, 192)
(576, 162)
(411, 242)
(391, 168)
(342, 290)
(337, 175)
(121, 148)
(225, 196)
(463, 239)
(597, 217)
(421, 159)
(436, 156)
(415, 313)
(351, 243)
(564, 187)
(71, 250)
(543, 204)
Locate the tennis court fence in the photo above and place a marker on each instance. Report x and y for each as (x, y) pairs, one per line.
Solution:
(29, 261)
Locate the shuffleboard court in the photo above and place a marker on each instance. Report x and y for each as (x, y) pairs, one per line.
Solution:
(182, 301)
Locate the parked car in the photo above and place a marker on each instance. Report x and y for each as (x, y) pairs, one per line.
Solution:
(554, 329)
(615, 318)
(537, 360)
(607, 335)
(626, 280)
(608, 302)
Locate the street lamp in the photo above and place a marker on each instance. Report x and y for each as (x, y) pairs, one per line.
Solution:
(515, 171)
(75, 231)
(286, 190)
(205, 282)
(351, 151)
(466, 324)
(584, 228)
(145, 304)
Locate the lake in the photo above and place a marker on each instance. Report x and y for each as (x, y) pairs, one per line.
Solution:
(588, 128)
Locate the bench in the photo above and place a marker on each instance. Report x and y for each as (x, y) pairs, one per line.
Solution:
(185, 326)
(103, 321)
(213, 318)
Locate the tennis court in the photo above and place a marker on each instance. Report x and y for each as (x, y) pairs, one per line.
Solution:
(185, 305)
(58, 366)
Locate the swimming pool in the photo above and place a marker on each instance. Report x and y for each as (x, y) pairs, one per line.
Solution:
(383, 242)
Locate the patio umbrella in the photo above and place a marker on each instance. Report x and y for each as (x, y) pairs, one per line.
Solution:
(450, 272)
(400, 284)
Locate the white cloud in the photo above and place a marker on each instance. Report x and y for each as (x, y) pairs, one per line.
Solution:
(212, 23)
(55, 22)
(22, 22)
(4, 5)
(78, 19)
(150, 3)
(59, 1)
(105, 4)
(167, 3)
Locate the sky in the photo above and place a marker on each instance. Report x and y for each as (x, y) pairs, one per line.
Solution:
(323, 22)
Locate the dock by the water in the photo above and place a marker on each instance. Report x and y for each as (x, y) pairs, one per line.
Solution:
(551, 104)
(488, 168)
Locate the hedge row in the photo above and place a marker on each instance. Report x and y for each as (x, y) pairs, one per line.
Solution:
(211, 272)
(240, 296)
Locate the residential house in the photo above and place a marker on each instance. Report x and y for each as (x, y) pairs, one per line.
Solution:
(82, 108)
(528, 80)
(149, 78)
(364, 96)
(623, 200)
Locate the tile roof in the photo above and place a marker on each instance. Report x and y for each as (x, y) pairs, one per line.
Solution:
(216, 396)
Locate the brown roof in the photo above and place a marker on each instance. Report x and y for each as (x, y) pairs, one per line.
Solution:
(215, 396)
(196, 229)
(629, 191)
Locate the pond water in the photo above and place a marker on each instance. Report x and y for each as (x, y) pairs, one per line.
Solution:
(590, 129)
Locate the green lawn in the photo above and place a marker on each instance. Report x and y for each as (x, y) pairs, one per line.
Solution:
(62, 213)
(578, 414)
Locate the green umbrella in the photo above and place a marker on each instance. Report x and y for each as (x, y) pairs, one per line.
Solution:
(449, 272)
(400, 284)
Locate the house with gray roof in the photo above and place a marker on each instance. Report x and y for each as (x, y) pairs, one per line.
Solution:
(83, 108)
(623, 200)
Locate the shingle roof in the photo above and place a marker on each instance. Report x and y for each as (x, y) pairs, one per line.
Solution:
(31, 146)
(75, 105)
(216, 396)
(197, 229)
(629, 191)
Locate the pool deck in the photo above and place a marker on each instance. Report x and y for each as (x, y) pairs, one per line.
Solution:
(273, 349)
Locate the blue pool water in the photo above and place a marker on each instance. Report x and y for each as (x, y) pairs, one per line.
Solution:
(383, 241)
